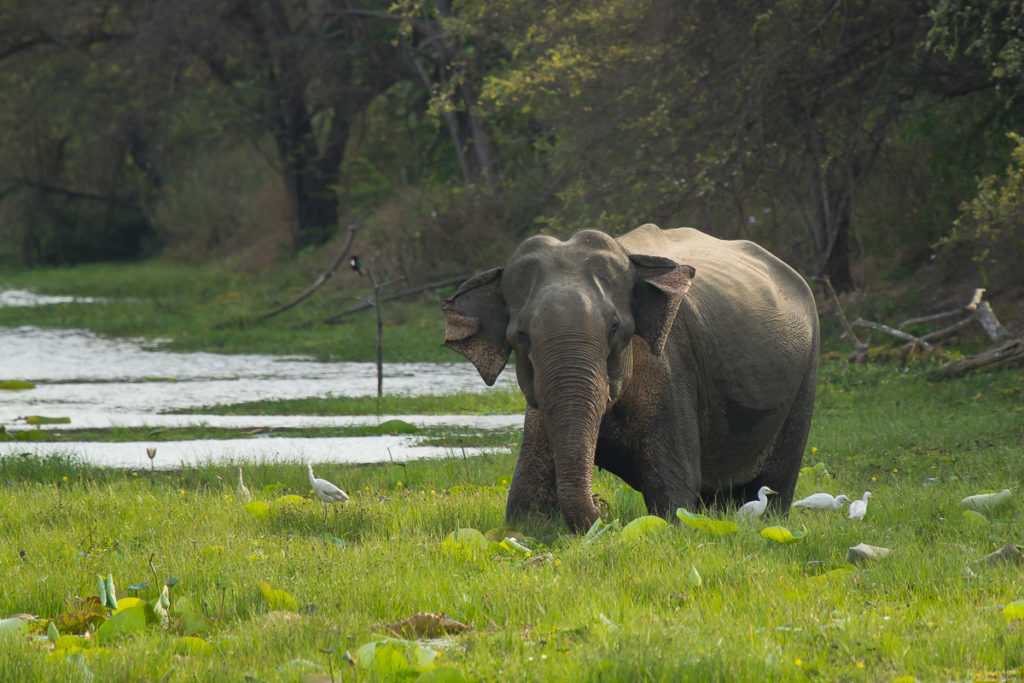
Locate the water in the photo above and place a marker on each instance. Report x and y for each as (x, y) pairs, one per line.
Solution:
(100, 382)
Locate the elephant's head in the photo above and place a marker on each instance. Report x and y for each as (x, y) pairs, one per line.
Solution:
(570, 311)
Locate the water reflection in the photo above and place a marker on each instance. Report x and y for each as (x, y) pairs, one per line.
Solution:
(99, 382)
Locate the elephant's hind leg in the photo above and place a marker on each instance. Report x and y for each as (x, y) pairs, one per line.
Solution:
(782, 466)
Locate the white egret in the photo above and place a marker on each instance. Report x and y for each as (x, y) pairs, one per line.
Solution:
(755, 508)
(243, 492)
(859, 507)
(821, 501)
(325, 491)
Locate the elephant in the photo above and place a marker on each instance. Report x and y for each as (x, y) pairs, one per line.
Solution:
(684, 364)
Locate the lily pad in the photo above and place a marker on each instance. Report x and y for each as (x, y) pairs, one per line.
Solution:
(278, 599)
(469, 540)
(1014, 611)
(975, 518)
(713, 527)
(191, 645)
(122, 623)
(781, 534)
(258, 509)
(643, 526)
(13, 626)
(290, 500)
(986, 501)
(125, 603)
(41, 420)
(16, 385)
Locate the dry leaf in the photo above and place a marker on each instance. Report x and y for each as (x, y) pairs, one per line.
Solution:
(425, 624)
(1008, 554)
(862, 552)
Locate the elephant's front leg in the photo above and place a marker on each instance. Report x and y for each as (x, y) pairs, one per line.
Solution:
(671, 477)
(533, 484)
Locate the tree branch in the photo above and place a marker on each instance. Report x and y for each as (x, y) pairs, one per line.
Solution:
(335, 319)
(324, 276)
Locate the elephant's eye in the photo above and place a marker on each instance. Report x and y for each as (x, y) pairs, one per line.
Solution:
(613, 329)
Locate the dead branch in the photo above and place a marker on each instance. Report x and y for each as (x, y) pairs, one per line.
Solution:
(324, 276)
(986, 317)
(947, 331)
(860, 348)
(860, 322)
(337, 318)
(1008, 352)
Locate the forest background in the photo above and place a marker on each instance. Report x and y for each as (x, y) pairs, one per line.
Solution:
(865, 140)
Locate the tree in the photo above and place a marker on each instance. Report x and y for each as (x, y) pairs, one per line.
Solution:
(301, 72)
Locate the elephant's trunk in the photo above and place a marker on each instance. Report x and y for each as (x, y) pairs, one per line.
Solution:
(572, 393)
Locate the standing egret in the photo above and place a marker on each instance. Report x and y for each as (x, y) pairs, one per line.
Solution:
(859, 507)
(243, 492)
(325, 491)
(821, 501)
(755, 508)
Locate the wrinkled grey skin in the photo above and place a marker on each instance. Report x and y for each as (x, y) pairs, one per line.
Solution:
(693, 383)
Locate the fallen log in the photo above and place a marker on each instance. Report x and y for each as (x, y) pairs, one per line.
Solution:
(1008, 352)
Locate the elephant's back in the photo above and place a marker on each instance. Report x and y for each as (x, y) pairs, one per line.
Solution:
(735, 279)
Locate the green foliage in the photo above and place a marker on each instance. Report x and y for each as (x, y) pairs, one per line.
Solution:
(920, 447)
(990, 227)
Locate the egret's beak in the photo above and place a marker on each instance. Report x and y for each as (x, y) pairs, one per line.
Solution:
(772, 491)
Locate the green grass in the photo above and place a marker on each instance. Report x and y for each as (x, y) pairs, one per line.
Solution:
(210, 308)
(502, 401)
(613, 609)
(450, 437)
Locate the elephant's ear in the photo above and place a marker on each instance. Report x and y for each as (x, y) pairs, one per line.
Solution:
(660, 286)
(475, 321)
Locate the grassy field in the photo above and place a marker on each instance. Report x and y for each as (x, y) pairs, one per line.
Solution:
(210, 308)
(609, 608)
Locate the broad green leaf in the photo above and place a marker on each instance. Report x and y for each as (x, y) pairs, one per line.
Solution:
(469, 540)
(52, 633)
(291, 499)
(781, 534)
(975, 518)
(597, 529)
(390, 661)
(278, 599)
(838, 573)
(137, 586)
(125, 603)
(111, 602)
(642, 526)
(101, 589)
(68, 642)
(516, 547)
(424, 658)
(693, 578)
(40, 420)
(125, 622)
(190, 645)
(443, 674)
(194, 622)
(364, 655)
(986, 501)
(1014, 611)
(271, 490)
(16, 385)
(713, 527)
(13, 626)
(258, 509)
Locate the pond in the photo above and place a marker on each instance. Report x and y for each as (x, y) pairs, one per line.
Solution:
(99, 382)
